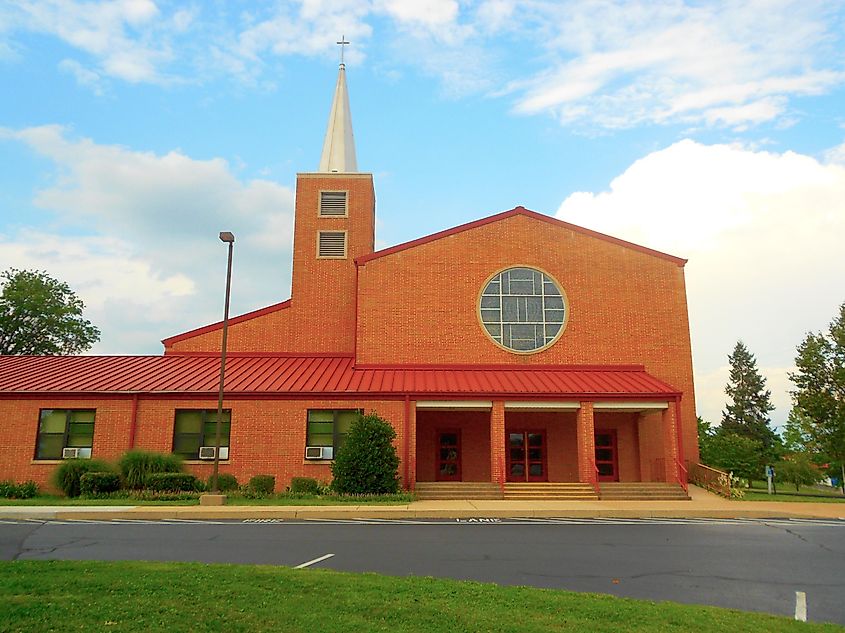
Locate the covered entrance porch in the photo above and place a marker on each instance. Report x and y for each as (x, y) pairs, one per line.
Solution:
(564, 449)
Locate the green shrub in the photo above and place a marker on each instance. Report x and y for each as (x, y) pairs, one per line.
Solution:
(136, 465)
(367, 463)
(225, 482)
(262, 484)
(172, 482)
(10, 490)
(97, 484)
(304, 485)
(66, 477)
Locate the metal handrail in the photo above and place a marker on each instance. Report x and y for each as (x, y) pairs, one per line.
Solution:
(595, 477)
(682, 479)
(711, 479)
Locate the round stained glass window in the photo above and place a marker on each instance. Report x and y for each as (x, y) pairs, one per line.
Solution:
(522, 309)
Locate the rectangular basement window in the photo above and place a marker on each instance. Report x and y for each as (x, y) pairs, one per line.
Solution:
(331, 244)
(333, 204)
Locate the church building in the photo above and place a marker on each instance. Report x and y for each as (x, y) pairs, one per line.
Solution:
(516, 356)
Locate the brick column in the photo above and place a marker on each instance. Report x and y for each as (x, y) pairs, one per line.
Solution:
(586, 438)
(497, 443)
(412, 446)
(670, 442)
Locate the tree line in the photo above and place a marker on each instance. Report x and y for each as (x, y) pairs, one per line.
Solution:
(812, 444)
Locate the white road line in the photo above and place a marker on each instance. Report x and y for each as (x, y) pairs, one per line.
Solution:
(312, 562)
(801, 606)
(196, 521)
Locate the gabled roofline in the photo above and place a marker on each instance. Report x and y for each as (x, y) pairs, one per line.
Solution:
(360, 261)
(219, 325)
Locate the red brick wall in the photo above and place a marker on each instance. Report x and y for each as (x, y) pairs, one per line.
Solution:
(267, 437)
(19, 430)
(474, 427)
(625, 306)
(652, 452)
(321, 315)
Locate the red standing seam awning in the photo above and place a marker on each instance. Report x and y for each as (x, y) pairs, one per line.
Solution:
(312, 376)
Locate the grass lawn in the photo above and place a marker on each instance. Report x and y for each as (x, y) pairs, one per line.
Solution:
(55, 500)
(787, 492)
(173, 597)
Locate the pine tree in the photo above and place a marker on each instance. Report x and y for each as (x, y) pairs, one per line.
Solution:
(747, 414)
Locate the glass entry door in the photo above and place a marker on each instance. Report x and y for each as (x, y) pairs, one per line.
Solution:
(527, 456)
(606, 456)
(449, 455)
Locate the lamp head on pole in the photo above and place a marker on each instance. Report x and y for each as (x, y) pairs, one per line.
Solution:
(226, 236)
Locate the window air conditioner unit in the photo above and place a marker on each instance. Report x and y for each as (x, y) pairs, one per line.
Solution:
(207, 452)
(76, 453)
(319, 452)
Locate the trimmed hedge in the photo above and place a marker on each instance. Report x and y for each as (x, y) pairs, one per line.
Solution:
(262, 484)
(304, 485)
(66, 477)
(96, 484)
(225, 482)
(136, 465)
(10, 490)
(172, 482)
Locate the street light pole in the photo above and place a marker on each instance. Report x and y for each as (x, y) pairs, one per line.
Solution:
(229, 238)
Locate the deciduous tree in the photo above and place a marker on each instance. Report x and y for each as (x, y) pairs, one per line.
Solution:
(41, 315)
(798, 469)
(819, 392)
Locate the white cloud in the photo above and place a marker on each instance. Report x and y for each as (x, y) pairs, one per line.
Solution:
(151, 223)
(125, 38)
(609, 64)
(84, 76)
(426, 13)
(618, 64)
(836, 155)
(763, 235)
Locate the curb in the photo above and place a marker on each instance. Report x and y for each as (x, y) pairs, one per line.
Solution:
(155, 513)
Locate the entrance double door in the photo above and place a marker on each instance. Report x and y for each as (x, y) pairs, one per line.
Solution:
(526, 456)
(607, 461)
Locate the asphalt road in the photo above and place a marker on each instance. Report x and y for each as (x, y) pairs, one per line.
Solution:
(755, 565)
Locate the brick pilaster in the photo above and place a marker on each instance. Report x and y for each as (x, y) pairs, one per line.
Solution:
(670, 442)
(412, 446)
(497, 443)
(586, 438)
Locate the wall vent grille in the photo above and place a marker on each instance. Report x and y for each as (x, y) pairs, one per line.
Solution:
(331, 244)
(333, 203)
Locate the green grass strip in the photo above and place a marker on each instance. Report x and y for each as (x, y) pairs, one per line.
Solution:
(173, 597)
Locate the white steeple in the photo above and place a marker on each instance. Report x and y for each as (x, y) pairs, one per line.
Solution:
(339, 146)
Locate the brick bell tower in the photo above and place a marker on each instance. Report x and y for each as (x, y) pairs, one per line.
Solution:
(334, 223)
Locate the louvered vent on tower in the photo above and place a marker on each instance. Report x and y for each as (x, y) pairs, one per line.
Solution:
(333, 203)
(331, 244)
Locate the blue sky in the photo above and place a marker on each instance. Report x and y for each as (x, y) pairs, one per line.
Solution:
(132, 131)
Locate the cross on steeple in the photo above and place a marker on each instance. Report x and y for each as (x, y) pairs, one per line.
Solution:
(342, 44)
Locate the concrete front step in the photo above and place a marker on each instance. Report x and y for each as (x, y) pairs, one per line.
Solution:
(550, 491)
(431, 490)
(642, 491)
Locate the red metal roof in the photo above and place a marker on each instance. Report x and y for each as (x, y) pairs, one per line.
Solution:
(290, 376)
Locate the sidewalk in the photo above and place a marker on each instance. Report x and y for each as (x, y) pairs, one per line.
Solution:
(702, 505)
